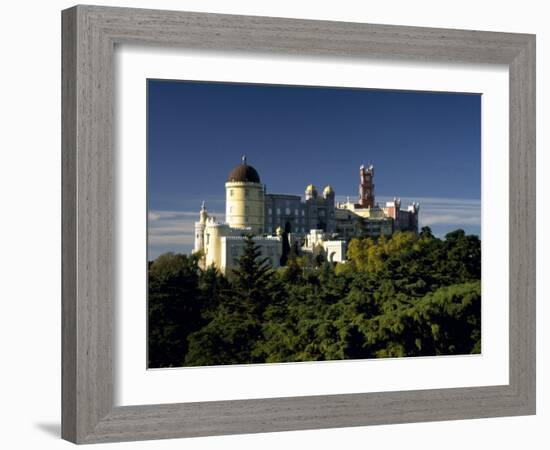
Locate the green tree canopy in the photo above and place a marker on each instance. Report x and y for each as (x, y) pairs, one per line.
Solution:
(403, 295)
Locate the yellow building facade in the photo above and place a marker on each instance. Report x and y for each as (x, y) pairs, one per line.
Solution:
(245, 199)
(244, 205)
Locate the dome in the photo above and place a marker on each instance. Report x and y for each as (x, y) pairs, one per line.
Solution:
(328, 190)
(244, 173)
(310, 188)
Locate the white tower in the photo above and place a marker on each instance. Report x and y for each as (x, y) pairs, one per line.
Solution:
(199, 229)
(244, 198)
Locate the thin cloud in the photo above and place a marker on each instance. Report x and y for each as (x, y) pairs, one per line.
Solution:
(163, 215)
(449, 219)
(172, 230)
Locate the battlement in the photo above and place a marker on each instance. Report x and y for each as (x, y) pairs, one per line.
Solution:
(254, 238)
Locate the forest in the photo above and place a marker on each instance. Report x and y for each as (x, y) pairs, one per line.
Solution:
(400, 296)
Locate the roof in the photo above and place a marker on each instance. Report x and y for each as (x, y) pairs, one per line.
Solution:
(244, 173)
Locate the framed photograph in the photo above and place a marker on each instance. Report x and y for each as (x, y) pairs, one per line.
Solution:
(277, 224)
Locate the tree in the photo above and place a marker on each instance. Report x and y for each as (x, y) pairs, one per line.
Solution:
(293, 271)
(251, 278)
(426, 233)
(401, 295)
(230, 337)
(174, 308)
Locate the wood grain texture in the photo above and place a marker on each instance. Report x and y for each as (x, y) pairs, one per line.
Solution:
(68, 226)
(89, 36)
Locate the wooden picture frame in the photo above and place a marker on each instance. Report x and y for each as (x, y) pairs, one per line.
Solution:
(90, 34)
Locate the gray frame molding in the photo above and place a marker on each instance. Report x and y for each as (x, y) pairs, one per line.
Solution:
(89, 36)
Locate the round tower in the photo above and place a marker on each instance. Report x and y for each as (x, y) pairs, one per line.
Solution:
(244, 198)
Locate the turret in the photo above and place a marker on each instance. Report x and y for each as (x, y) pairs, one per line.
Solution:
(203, 215)
(311, 192)
(328, 192)
(199, 229)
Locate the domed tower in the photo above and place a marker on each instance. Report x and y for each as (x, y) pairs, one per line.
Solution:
(311, 192)
(328, 192)
(244, 198)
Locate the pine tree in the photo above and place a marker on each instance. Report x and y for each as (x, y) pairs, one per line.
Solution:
(236, 326)
(252, 276)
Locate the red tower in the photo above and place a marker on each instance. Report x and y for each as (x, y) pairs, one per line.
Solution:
(366, 187)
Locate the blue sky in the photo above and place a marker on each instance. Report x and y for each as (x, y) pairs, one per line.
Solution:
(425, 147)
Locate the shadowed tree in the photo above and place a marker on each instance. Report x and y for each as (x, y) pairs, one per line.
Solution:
(231, 335)
(402, 295)
(174, 308)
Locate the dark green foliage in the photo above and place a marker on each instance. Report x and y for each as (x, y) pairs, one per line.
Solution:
(174, 308)
(408, 295)
(235, 327)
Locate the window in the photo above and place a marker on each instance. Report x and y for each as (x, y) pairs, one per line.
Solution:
(303, 212)
(270, 211)
(287, 211)
(296, 212)
(279, 211)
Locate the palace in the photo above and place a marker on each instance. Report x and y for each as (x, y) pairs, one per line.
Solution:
(316, 225)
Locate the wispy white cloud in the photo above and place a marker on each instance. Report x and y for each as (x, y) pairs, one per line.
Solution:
(448, 219)
(446, 214)
(450, 213)
(163, 215)
(172, 230)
